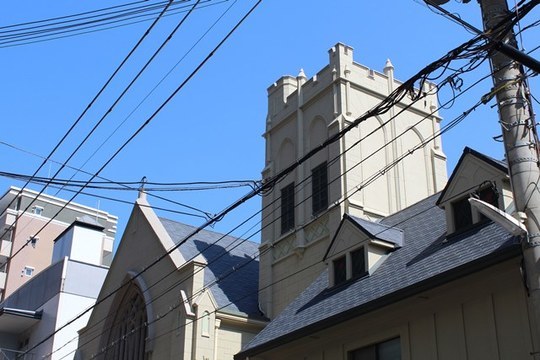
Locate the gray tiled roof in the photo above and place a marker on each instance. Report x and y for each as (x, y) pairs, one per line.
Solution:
(427, 258)
(380, 231)
(231, 260)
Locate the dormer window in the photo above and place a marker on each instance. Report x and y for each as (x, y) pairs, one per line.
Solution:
(358, 263)
(340, 270)
(350, 266)
(359, 247)
(490, 195)
(464, 216)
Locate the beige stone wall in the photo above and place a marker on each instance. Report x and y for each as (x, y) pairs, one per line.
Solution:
(137, 249)
(232, 338)
(294, 266)
(303, 113)
(481, 316)
(176, 330)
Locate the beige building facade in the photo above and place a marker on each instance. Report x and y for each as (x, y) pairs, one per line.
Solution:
(303, 211)
(197, 302)
(19, 227)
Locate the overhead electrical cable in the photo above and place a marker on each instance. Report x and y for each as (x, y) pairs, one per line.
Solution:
(156, 86)
(184, 240)
(157, 111)
(69, 132)
(252, 258)
(467, 112)
(19, 25)
(112, 22)
(126, 185)
(396, 96)
(121, 185)
(126, 89)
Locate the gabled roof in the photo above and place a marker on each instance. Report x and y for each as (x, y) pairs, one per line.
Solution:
(497, 164)
(379, 231)
(427, 259)
(372, 229)
(232, 263)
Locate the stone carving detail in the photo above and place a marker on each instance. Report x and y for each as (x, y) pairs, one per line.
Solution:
(317, 229)
(284, 247)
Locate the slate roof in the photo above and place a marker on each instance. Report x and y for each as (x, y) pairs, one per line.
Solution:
(428, 258)
(380, 231)
(498, 164)
(372, 229)
(232, 262)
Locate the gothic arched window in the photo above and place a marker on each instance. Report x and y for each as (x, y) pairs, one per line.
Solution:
(127, 337)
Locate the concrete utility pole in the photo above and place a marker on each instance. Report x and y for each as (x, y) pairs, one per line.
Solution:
(520, 142)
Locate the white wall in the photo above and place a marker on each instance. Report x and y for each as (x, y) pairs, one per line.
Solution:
(66, 341)
(80, 244)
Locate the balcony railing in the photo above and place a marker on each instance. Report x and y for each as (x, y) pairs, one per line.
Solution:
(8, 354)
(5, 250)
(3, 277)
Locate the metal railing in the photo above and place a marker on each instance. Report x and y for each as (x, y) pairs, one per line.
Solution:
(8, 354)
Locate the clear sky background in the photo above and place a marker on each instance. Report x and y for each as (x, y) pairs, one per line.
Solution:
(211, 130)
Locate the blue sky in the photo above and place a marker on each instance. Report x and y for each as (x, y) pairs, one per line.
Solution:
(210, 131)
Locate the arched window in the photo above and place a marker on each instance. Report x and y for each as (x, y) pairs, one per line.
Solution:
(205, 326)
(127, 337)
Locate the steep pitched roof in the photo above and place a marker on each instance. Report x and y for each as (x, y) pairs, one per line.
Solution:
(372, 229)
(232, 271)
(427, 259)
(497, 164)
(380, 230)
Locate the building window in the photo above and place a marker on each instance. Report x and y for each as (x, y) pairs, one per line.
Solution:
(319, 189)
(340, 270)
(462, 214)
(387, 350)
(287, 208)
(127, 337)
(28, 271)
(38, 210)
(489, 195)
(358, 263)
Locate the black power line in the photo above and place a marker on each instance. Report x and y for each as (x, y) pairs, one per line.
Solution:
(94, 23)
(192, 74)
(384, 106)
(69, 132)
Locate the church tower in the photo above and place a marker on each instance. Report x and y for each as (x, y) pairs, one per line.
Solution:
(303, 211)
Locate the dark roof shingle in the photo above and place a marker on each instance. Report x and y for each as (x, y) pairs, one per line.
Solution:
(427, 255)
(232, 272)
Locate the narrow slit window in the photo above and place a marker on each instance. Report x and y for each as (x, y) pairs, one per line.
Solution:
(319, 189)
(358, 263)
(340, 270)
(287, 208)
